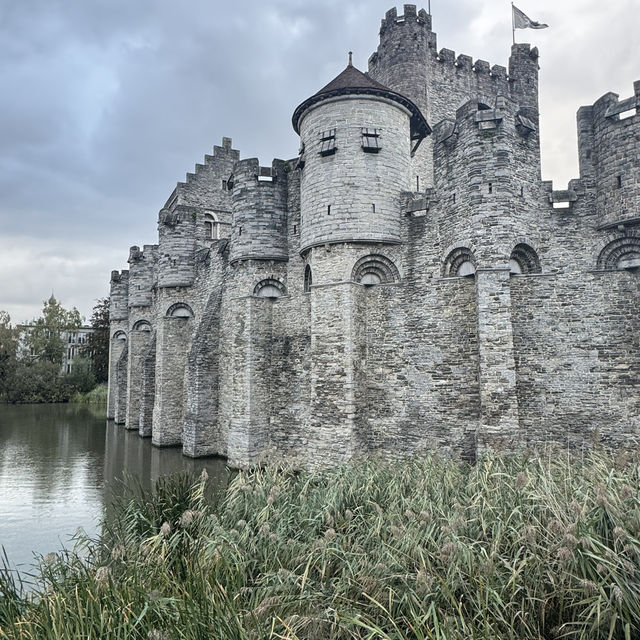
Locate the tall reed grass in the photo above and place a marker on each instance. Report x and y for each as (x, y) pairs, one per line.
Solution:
(431, 548)
(98, 395)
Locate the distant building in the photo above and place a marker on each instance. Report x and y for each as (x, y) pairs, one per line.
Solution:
(75, 342)
(408, 282)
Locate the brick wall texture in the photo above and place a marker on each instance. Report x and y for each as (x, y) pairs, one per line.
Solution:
(392, 301)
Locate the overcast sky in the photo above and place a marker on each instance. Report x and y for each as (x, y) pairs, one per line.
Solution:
(106, 104)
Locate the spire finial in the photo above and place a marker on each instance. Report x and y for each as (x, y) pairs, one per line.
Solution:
(351, 58)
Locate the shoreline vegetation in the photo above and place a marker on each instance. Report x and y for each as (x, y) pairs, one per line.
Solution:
(429, 548)
(97, 396)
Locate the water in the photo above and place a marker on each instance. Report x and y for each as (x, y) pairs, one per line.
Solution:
(61, 464)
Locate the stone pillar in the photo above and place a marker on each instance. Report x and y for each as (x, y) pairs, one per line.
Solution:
(201, 435)
(138, 344)
(117, 344)
(334, 378)
(249, 425)
(498, 428)
(120, 390)
(147, 389)
(173, 336)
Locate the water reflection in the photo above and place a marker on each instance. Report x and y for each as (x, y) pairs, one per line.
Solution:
(60, 465)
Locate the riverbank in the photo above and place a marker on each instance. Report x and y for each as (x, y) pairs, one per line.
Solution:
(97, 396)
(429, 548)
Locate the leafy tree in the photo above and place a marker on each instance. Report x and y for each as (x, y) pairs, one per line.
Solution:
(81, 377)
(98, 341)
(8, 351)
(44, 339)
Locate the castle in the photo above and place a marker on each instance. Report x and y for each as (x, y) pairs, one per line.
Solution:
(408, 282)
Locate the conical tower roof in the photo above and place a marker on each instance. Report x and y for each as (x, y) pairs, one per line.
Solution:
(352, 81)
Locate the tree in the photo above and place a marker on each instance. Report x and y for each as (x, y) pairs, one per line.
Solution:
(44, 340)
(98, 341)
(8, 351)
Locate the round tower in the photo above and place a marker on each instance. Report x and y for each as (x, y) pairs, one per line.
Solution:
(259, 206)
(356, 137)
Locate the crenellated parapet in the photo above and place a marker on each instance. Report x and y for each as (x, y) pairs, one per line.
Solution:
(608, 134)
(259, 205)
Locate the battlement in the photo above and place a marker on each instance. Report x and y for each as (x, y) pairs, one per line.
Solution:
(482, 119)
(250, 170)
(392, 19)
(120, 276)
(610, 106)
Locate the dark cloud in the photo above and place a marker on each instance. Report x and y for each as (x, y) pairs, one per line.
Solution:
(108, 103)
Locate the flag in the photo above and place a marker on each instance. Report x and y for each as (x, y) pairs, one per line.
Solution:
(522, 21)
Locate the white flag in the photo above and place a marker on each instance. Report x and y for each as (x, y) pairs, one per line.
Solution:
(522, 21)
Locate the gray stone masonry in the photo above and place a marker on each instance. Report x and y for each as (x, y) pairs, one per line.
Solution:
(371, 297)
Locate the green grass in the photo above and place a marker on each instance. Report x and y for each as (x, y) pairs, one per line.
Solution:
(431, 548)
(98, 395)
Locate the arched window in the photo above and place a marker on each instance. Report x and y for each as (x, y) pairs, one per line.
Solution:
(211, 226)
(180, 310)
(459, 263)
(142, 325)
(622, 253)
(308, 279)
(524, 259)
(119, 335)
(374, 269)
(269, 288)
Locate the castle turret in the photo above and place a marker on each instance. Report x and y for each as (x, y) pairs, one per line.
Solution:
(142, 264)
(608, 134)
(177, 242)
(356, 138)
(486, 163)
(259, 205)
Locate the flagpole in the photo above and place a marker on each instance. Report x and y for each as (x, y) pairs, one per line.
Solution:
(513, 25)
(429, 2)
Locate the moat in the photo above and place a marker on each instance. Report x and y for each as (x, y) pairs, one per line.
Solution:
(61, 464)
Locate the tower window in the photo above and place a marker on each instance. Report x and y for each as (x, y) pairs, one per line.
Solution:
(328, 209)
(328, 140)
(491, 187)
(373, 207)
(224, 185)
(308, 279)
(619, 182)
(370, 140)
(211, 226)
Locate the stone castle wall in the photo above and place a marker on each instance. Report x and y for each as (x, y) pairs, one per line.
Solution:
(448, 299)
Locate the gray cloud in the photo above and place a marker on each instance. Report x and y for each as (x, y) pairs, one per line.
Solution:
(108, 103)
